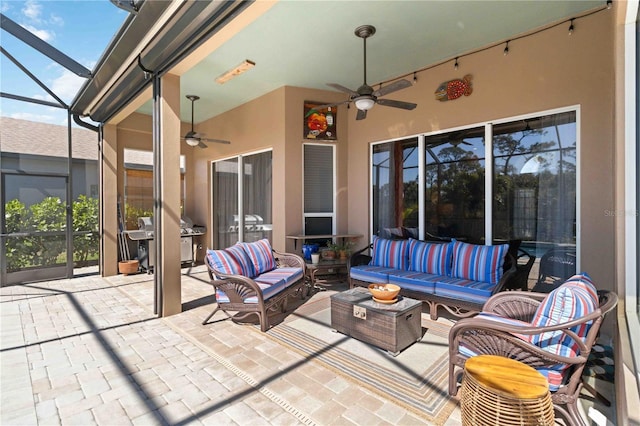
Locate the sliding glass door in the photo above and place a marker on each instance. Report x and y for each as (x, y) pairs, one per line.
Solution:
(242, 194)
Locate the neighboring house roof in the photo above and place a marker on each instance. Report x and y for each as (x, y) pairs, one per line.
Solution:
(35, 138)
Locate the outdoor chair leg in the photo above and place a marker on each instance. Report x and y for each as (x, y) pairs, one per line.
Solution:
(595, 393)
(210, 315)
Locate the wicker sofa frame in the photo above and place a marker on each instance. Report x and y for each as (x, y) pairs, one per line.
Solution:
(458, 307)
(239, 287)
(483, 336)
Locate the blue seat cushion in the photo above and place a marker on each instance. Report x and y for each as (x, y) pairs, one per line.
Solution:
(267, 292)
(370, 273)
(412, 280)
(464, 289)
(280, 276)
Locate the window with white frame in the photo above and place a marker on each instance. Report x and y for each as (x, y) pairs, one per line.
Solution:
(531, 182)
(319, 189)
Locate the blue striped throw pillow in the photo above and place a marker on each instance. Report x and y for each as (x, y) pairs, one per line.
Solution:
(224, 262)
(478, 263)
(260, 255)
(390, 253)
(431, 258)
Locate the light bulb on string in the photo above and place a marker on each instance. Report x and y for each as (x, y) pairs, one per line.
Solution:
(506, 48)
(609, 4)
(571, 28)
(415, 77)
(455, 66)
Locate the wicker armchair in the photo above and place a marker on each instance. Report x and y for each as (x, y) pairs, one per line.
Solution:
(487, 336)
(245, 296)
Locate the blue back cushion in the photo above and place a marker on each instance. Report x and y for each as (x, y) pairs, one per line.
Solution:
(243, 259)
(390, 253)
(431, 258)
(224, 262)
(260, 255)
(478, 263)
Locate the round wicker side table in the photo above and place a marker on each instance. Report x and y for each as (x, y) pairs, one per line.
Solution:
(502, 391)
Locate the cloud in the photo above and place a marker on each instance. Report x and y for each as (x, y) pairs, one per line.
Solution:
(43, 34)
(32, 10)
(66, 86)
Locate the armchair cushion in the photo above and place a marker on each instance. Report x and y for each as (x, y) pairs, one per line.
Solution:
(390, 253)
(431, 258)
(225, 262)
(478, 263)
(572, 300)
(260, 255)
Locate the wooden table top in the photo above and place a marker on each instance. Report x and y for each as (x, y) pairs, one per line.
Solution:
(507, 376)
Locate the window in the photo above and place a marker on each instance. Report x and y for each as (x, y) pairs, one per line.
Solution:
(531, 183)
(454, 185)
(138, 186)
(319, 178)
(242, 201)
(394, 177)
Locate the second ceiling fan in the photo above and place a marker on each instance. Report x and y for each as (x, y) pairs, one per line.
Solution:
(197, 139)
(365, 97)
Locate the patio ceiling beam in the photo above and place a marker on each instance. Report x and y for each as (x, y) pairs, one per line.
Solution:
(43, 47)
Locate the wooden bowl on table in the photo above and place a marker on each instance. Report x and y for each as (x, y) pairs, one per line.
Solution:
(384, 292)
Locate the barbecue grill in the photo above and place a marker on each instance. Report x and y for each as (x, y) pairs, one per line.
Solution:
(146, 245)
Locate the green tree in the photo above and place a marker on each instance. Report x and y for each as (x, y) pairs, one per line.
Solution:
(15, 248)
(48, 216)
(85, 230)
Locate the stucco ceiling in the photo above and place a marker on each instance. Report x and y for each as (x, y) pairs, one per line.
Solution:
(311, 43)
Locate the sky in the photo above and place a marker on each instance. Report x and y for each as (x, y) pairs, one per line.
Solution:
(81, 29)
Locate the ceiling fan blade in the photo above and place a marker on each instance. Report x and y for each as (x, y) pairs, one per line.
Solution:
(361, 115)
(396, 104)
(202, 145)
(393, 87)
(343, 89)
(215, 140)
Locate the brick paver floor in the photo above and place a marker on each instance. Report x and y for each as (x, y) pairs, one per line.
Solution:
(90, 351)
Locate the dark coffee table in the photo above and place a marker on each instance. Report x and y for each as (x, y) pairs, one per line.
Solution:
(392, 327)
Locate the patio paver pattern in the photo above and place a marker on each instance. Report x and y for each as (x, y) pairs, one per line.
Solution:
(90, 351)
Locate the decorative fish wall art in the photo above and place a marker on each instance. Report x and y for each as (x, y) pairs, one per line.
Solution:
(453, 89)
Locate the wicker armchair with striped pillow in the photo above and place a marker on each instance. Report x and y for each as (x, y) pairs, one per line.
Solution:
(553, 333)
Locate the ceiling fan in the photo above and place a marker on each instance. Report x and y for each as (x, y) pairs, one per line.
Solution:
(196, 139)
(365, 97)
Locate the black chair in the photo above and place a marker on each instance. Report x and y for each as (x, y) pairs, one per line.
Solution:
(556, 265)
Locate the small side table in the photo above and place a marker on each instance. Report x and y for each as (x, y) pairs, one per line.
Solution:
(324, 266)
(502, 391)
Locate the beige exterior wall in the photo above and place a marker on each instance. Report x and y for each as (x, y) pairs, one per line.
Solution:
(542, 72)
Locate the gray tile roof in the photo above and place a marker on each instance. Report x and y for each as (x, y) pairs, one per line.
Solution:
(35, 138)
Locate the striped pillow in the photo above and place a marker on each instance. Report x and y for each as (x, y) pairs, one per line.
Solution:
(390, 253)
(478, 263)
(260, 255)
(243, 259)
(224, 262)
(431, 258)
(570, 301)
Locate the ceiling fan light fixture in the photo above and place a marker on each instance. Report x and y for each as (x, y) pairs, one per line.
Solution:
(365, 103)
(192, 141)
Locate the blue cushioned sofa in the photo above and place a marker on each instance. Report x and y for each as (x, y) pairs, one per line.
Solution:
(458, 276)
(253, 279)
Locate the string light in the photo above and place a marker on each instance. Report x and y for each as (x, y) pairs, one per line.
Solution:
(455, 66)
(415, 77)
(571, 28)
(608, 5)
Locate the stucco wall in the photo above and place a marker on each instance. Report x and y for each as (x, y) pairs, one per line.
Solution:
(541, 72)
